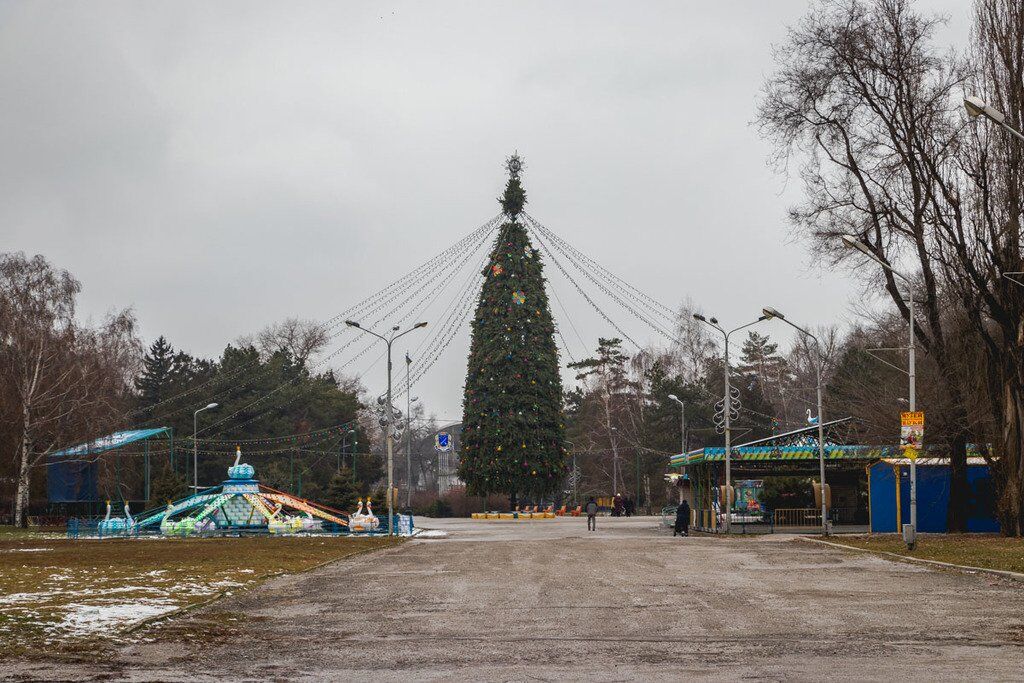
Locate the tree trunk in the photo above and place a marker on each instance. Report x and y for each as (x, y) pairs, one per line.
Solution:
(21, 496)
(956, 514)
(1010, 462)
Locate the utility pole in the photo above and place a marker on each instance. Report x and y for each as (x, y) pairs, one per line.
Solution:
(408, 433)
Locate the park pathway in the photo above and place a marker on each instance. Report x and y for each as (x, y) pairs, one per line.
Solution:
(545, 600)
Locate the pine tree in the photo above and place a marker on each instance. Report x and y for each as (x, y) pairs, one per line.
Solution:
(158, 371)
(342, 491)
(168, 485)
(513, 439)
(761, 363)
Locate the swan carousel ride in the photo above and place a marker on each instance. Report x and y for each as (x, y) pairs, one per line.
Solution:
(242, 505)
(115, 526)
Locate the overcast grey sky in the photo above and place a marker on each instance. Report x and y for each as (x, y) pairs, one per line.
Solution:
(220, 166)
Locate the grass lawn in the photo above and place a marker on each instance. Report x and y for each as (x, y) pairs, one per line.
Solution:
(975, 550)
(72, 598)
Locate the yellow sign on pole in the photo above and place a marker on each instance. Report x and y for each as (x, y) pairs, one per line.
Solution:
(912, 433)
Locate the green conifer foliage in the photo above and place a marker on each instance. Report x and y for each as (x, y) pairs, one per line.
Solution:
(512, 429)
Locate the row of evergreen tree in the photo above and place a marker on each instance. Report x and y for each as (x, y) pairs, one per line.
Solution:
(296, 401)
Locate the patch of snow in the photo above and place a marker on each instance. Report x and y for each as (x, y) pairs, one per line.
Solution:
(430, 533)
(93, 618)
(16, 598)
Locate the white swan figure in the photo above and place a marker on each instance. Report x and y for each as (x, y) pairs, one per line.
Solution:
(811, 420)
(357, 520)
(370, 520)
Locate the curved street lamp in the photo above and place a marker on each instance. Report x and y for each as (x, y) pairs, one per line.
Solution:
(771, 313)
(713, 323)
(854, 243)
(395, 334)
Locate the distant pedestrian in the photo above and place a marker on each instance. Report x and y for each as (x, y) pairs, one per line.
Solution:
(682, 526)
(591, 510)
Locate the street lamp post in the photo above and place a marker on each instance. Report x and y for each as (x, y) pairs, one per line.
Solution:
(682, 432)
(409, 400)
(772, 313)
(575, 473)
(390, 413)
(854, 243)
(195, 445)
(976, 107)
(713, 323)
(682, 421)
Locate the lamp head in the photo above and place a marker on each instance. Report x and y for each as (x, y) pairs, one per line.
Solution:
(211, 406)
(419, 325)
(673, 397)
(698, 316)
(395, 328)
(770, 313)
(854, 243)
(976, 106)
(714, 321)
(352, 323)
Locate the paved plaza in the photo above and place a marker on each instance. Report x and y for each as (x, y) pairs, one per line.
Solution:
(546, 600)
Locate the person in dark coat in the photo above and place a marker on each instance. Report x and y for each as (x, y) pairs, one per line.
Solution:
(591, 511)
(682, 526)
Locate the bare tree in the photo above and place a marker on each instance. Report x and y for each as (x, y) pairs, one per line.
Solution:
(870, 108)
(978, 221)
(301, 339)
(65, 380)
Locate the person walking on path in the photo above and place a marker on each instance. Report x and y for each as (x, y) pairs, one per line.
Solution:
(591, 511)
(682, 526)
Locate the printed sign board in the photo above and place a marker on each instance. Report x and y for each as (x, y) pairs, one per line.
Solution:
(912, 433)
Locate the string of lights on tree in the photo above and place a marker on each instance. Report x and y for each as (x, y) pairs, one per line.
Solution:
(369, 306)
(423, 290)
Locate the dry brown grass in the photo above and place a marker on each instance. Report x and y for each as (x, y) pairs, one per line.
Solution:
(72, 598)
(974, 550)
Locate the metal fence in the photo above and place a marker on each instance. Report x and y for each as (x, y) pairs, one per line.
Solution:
(811, 517)
(93, 527)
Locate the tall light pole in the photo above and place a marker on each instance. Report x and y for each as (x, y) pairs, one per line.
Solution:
(682, 433)
(395, 334)
(713, 323)
(682, 422)
(854, 243)
(575, 473)
(615, 460)
(772, 313)
(976, 107)
(408, 432)
(195, 445)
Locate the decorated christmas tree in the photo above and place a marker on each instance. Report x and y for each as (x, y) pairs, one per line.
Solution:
(512, 431)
